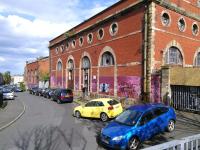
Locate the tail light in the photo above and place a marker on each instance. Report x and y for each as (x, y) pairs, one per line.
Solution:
(62, 97)
(110, 108)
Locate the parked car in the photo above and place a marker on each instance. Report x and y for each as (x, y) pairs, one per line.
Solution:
(103, 108)
(51, 93)
(8, 94)
(62, 95)
(46, 93)
(17, 89)
(40, 91)
(33, 90)
(137, 124)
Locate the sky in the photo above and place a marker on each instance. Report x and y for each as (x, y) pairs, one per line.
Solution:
(27, 26)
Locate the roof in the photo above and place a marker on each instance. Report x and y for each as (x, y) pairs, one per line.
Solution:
(102, 99)
(145, 107)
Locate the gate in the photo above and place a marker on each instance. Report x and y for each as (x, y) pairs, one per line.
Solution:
(186, 97)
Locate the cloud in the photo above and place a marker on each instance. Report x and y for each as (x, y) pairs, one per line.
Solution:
(2, 59)
(28, 26)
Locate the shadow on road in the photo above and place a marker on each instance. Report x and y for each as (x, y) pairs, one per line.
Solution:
(47, 138)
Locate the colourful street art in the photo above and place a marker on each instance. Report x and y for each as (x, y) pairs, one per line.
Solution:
(77, 83)
(106, 85)
(94, 85)
(129, 86)
(155, 88)
(53, 81)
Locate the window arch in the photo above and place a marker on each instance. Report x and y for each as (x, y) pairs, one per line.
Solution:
(70, 65)
(107, 59)
(197, 59)
(59, 66)
(173, 56)
(85, 63)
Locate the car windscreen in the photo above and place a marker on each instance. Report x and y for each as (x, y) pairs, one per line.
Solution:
(113, 102)
(7, 91)
(65, 92)
(128, 117)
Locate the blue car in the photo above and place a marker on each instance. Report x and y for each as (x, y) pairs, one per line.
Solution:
(137, 124)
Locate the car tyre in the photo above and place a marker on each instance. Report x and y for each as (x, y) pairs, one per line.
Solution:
(58, 101)
(133, 143)
(171, 126)
(77, 114)
(104, 117)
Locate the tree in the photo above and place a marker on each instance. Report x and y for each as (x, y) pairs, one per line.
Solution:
(7, 77)
(44, 76)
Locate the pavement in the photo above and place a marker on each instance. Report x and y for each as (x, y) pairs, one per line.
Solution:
(11, 113)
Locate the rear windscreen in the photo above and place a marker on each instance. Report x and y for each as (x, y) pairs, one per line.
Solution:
(113, 102)
(67, 91)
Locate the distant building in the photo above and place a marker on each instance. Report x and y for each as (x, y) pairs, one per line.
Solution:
(35, 71)
(16, 79)
(135, 48)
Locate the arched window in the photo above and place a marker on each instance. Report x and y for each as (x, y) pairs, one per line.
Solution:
(70, 65)
(86, 63)
(59, 66)
(107, 59)
(197, 59)
(173, 56)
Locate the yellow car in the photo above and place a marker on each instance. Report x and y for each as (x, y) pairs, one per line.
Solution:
(103, 108)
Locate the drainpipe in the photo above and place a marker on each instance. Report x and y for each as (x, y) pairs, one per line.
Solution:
(145, 57)
(148, 50)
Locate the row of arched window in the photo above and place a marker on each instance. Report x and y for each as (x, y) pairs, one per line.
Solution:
(107, 59)
(174, 57)
(113, 30)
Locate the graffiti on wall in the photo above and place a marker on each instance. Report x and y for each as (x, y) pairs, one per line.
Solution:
(53, 81)
(129, 86)
(94, 85)
(155, 88)
(77, 83)
(106, 85)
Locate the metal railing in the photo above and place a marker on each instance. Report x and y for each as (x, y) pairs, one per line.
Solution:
(187, 143)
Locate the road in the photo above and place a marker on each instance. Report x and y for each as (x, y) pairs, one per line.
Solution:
(48, 125)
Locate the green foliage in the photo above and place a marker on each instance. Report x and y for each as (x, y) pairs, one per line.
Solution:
(7, 77)
(44, 77)
(69, 33)
(22, 86)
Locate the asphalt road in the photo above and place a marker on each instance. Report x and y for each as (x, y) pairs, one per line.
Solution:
(47, 125)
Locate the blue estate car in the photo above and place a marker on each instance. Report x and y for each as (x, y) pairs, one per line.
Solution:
(137, 124)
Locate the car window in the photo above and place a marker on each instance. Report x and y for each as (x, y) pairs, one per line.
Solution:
(146, 118)
(159, 111)
(99, 103)
(113, 102)
(90, 104)
(128, 117)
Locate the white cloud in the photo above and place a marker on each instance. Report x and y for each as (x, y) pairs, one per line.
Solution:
(2, 59)
(28, 25)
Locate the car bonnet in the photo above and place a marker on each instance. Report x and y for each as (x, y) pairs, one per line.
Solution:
(114, 129)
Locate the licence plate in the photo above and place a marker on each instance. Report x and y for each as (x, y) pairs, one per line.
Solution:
(66, 96)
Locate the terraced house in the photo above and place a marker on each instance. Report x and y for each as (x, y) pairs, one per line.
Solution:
(135, 49)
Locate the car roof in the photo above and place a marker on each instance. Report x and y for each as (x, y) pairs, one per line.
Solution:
(145, 107)
(102, 99)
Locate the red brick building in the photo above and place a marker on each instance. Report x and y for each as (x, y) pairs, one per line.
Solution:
(129, 49)
(34, 70)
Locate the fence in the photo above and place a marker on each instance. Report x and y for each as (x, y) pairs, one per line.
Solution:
(188, 143)
(186, 98)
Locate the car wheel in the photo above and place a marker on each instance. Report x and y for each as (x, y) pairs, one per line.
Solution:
(133, 143)
(58, 101)
(77, 114)
(171, 126)
(104, 117)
